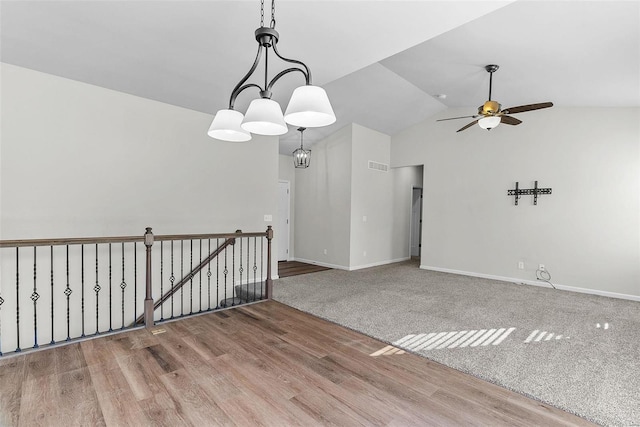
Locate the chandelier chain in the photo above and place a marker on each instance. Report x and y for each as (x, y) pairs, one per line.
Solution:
(262, 13)
(273, 13)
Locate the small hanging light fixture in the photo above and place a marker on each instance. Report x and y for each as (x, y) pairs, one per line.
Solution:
(309, 105)
(301, 157)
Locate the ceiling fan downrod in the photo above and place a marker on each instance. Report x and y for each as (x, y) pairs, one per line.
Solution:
(490, 107)
(492, 68)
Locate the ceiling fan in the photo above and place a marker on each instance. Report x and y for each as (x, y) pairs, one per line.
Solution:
(490, 113)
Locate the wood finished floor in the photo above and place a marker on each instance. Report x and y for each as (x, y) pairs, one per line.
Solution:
(294, 268)
(263, 364)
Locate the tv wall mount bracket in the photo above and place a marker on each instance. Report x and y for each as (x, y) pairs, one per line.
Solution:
(535, 191)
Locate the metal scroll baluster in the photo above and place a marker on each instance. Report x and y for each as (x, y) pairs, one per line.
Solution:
(240, 270)
(233, 276)
(262, 280)
(161, 278)
(217, 276)
(1, 301)
(191, 276)
(248, 258)
(34, 298)
(96, 289)
(225, 272)
(182, 277)
(52, 322)
(123, 285)
(200, 279)
(17, 300)
(209, 276)
(268, 284)
(82, 286)
(68, 292)
(172, 279)
(135, 280)
(110, 289)
(255, 266)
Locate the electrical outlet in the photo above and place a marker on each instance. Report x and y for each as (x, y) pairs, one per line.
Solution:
(521, 265)
(325, 251)
(364, 253)
(541, 267)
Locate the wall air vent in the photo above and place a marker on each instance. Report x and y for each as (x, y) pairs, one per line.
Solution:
(382, 167)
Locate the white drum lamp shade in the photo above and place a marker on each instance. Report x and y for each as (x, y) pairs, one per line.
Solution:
(264, 117)
(226, 127)
(489, 122)
(309, 107)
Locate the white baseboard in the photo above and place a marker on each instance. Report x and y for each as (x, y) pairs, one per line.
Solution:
(357, 267)
(322, 264)
(535, 283)
(376, 264)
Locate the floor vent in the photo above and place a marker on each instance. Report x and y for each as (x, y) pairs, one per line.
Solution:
(382, 167)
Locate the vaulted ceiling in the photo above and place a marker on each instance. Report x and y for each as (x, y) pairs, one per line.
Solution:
(382, 62)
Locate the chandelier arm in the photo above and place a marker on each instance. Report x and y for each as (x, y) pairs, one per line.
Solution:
(239, 88)
(282, 73)
(306, 72)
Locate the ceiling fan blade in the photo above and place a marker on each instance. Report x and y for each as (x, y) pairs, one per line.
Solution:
(467, 126)
(455, 118)
(529, 107)
(508, 120)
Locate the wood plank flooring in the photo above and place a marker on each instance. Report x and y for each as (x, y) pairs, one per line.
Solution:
(262, 364)
(294, 268)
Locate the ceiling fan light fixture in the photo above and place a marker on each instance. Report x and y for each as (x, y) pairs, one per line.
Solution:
(226, 127)
(264, 117)
(489, 123)
(309, 107)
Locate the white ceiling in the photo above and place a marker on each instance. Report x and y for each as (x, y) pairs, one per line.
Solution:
(381, 62)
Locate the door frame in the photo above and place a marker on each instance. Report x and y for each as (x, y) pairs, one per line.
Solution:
(413, 188)
(288, 229)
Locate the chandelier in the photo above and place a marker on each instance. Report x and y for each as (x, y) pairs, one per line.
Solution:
(309, 105)
(301, 157)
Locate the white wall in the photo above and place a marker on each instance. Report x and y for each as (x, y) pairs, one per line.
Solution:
(80, 160)
(323, 202)
(587, 232)
(335, 194)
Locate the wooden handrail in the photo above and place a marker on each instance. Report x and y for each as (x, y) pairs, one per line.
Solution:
(122, 239)
(229, 241)
(68, 241)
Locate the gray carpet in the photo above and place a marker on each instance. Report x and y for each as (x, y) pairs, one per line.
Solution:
(587, 361)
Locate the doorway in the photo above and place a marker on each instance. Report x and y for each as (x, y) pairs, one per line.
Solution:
(284, 212)
(416, 221)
